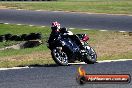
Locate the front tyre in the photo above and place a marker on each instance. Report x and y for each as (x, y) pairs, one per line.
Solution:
(91, 57)
(59, 57)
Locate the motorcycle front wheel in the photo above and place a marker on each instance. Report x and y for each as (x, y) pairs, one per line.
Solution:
(59, 57)
(91, 57)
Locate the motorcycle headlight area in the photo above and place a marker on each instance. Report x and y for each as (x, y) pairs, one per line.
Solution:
(82, 42)
(87, 47)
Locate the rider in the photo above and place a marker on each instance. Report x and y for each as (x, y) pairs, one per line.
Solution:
(55, 27)
(57, 30)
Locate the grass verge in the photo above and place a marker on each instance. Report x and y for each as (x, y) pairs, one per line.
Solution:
(108, 45)
(92, 6)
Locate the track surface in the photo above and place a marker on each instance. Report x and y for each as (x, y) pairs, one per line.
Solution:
(62, 77)
(74, 20)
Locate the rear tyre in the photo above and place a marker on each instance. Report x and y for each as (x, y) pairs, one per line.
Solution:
(59, 57)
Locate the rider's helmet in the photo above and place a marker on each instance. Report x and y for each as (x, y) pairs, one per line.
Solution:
(55, 26)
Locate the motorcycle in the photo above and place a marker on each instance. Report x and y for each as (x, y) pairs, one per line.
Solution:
(69, 48)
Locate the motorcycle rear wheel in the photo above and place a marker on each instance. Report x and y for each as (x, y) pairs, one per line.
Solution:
(59, 57)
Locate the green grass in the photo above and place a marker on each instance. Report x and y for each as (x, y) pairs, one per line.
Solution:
(108, 45)
(10, 57)
(18, 30)
(92, 6)
(12, 52)
(24, 29)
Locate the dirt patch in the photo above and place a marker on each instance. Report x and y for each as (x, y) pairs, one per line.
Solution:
(24, 44)
(3, 7)
(112, 43)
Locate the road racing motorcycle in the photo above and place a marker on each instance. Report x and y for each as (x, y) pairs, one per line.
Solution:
(70, 48)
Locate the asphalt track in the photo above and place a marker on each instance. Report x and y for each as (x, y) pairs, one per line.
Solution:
(74, 20)
(62, 77)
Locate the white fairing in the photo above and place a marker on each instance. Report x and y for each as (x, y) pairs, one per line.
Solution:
(69, 33)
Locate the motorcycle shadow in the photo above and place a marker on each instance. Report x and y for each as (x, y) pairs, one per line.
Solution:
(56, 65)
(45, 65)
(53, 65)
(81, 63)
(38, 65)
